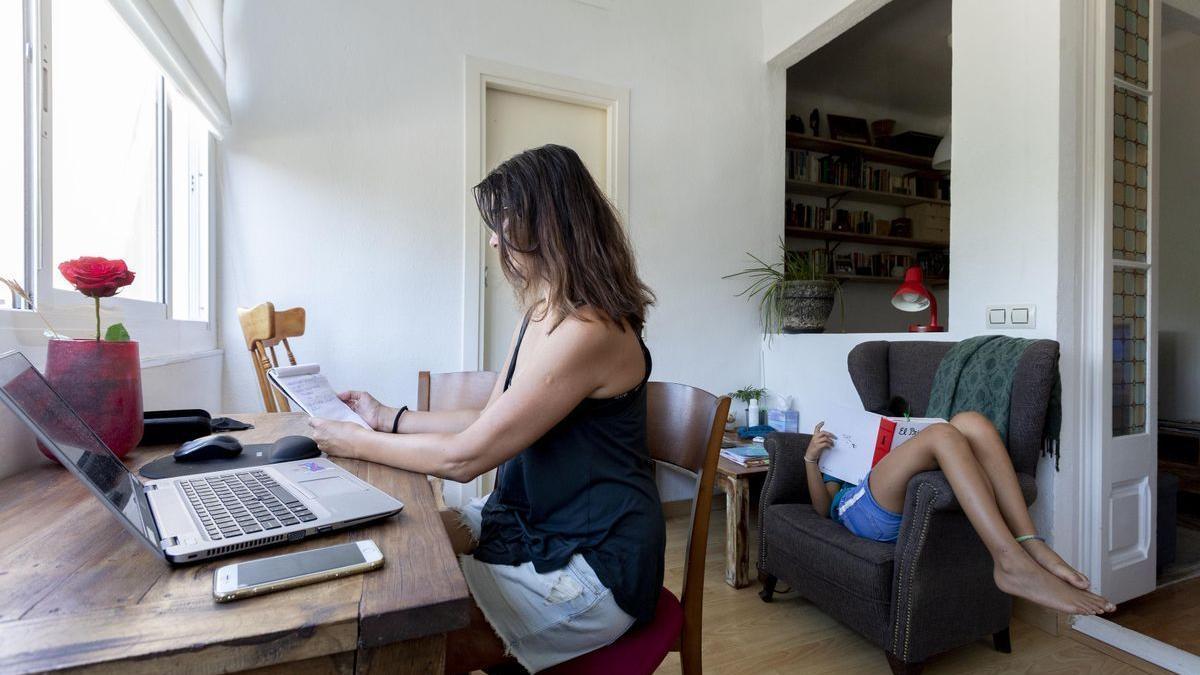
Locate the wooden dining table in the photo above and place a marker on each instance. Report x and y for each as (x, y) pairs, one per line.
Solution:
(78, 592)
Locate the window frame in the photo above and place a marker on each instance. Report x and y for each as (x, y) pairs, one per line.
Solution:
(61, 304)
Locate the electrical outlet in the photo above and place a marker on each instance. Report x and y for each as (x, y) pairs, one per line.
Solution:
(1011, 316)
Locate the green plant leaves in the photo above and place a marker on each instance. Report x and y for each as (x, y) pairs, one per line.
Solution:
(116, 333)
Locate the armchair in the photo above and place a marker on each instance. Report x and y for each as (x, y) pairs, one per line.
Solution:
(932, 590)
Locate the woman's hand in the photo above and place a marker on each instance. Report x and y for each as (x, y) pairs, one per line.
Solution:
(364, 404)
(339, 439)
(821, 441)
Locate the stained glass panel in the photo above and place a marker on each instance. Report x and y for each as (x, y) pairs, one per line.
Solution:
(1129, 352)
(1131, 120)
(1131, 41)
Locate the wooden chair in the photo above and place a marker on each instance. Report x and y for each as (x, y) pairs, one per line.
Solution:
(683, 431)
(469, 390)
(264, 329)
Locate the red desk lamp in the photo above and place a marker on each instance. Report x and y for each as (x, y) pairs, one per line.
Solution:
(914, 296)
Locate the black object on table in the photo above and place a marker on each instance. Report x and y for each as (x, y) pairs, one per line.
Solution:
(286, 449)
(168, 427)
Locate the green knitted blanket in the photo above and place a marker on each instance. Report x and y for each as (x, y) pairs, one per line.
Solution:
(977, 375)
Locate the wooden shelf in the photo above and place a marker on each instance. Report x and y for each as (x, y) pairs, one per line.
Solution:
(856, 238)
(883, 280)
(807, 187)
(868, 152)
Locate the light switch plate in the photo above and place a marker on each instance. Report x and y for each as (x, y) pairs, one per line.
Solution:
(1008, 317)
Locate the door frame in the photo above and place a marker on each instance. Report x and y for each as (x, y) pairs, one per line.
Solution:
(479, 75)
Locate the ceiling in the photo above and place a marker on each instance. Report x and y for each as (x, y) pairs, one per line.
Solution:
(897, 58)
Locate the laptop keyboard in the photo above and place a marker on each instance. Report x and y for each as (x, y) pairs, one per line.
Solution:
(243, 503)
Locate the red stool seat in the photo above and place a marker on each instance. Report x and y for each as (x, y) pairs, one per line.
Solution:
(637, 652)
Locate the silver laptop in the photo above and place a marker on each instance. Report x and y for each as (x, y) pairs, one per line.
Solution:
(203, 515)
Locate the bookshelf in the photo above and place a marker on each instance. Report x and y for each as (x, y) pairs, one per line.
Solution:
(831, 191)
(894, 281)
(868, 152)
(856, 238)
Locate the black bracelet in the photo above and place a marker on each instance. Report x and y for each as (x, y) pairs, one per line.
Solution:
(396, 422)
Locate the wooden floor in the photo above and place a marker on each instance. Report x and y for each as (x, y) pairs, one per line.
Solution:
(1171, 615)
(742, 634)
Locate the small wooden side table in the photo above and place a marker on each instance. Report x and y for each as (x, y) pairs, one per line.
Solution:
(735, 480)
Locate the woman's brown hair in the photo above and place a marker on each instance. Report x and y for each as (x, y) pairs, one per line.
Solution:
(544, 205)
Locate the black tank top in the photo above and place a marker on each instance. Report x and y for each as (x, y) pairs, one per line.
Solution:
(586, 487)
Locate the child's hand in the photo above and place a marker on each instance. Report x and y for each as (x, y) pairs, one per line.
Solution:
(821, 441)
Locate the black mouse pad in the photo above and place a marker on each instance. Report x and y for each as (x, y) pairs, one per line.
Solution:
(167, 467)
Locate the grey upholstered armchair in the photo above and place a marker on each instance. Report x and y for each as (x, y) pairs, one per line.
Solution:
(932, 590)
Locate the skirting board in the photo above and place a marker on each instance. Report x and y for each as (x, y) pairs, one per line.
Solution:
(1132, 647)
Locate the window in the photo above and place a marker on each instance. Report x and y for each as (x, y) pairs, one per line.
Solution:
(128, 159)
(12, 141)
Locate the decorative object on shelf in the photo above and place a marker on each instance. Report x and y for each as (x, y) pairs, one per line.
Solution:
(101, 379)
(792, 296)
(750, 395)
(914, 143)
(848, 129)
(814, 122)
(795, 124)
(930, 222)
(914, 296)
(901, 227)
(881, 130)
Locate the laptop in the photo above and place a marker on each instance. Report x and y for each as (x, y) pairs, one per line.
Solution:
(201, 516)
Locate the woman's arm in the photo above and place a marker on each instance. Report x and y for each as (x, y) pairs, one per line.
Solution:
(571, 363)
(821, 492)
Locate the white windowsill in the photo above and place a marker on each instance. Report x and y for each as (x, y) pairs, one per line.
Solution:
(171, 359)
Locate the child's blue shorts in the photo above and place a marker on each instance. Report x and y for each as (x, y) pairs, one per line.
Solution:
(863, 516)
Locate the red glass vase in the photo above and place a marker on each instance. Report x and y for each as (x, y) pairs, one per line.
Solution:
(102, 381)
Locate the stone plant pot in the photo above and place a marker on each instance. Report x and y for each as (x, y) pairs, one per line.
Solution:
(807, 304)
(102, 382)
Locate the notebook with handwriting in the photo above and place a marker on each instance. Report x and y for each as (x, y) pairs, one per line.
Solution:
(305, 386)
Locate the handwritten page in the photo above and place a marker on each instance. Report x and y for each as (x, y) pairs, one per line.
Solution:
(858, 434)
(305, 386)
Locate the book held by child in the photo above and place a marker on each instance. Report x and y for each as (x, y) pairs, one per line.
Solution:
(863, 438)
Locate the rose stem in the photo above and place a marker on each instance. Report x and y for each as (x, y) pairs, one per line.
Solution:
(97, 299)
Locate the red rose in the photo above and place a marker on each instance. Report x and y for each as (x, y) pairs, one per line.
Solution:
(96, 277)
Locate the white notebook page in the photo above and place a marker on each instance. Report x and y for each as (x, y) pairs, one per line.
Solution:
(310, 391)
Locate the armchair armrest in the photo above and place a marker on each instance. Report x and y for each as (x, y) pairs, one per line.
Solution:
(931, 490)
(787, 482)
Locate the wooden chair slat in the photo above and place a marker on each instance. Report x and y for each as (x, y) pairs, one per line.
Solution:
(263, 328)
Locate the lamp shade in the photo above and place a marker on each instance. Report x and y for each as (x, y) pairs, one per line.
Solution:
(912, 296)
(941, 156)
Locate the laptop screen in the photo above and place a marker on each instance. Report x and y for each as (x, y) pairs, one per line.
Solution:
(70, 439)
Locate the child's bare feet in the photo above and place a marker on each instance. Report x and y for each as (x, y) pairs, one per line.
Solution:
(1020, 575)
(1054, 564)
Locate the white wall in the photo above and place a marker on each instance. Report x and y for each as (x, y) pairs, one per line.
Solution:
(1179, 232)
(342, 173)
(792, 30)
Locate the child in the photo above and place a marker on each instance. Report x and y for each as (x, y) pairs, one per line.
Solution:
(969, 451)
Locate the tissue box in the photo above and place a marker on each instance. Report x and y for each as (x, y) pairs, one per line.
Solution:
(784, 420)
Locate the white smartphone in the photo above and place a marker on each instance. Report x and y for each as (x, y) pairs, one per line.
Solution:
(276, 573)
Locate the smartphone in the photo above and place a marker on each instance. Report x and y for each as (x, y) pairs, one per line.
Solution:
(276, 573)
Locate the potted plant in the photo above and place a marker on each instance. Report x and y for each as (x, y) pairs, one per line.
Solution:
(100, 378)
(793, 298)
(751, 396)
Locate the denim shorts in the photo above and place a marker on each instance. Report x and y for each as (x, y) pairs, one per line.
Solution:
(863, 516)
(543, 619)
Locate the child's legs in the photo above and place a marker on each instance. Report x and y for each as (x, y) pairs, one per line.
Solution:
(997, 466)
(942, 446)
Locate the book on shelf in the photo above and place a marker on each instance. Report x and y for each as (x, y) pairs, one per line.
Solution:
(747, 455)
(851, 171)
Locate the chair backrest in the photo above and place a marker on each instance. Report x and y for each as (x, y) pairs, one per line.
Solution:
(468, 390)
(684, 427)
(264, 328)
(882, 370)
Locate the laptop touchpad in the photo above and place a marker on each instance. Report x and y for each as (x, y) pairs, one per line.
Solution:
(330, 487)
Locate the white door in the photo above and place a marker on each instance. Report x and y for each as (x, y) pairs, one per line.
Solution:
(1130, 455)
(518, 122)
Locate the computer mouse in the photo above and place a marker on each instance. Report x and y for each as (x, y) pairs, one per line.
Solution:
(291, 448)
(209, 447)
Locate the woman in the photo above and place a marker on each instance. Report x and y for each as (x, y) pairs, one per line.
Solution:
(969, 451)
(568, 549)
